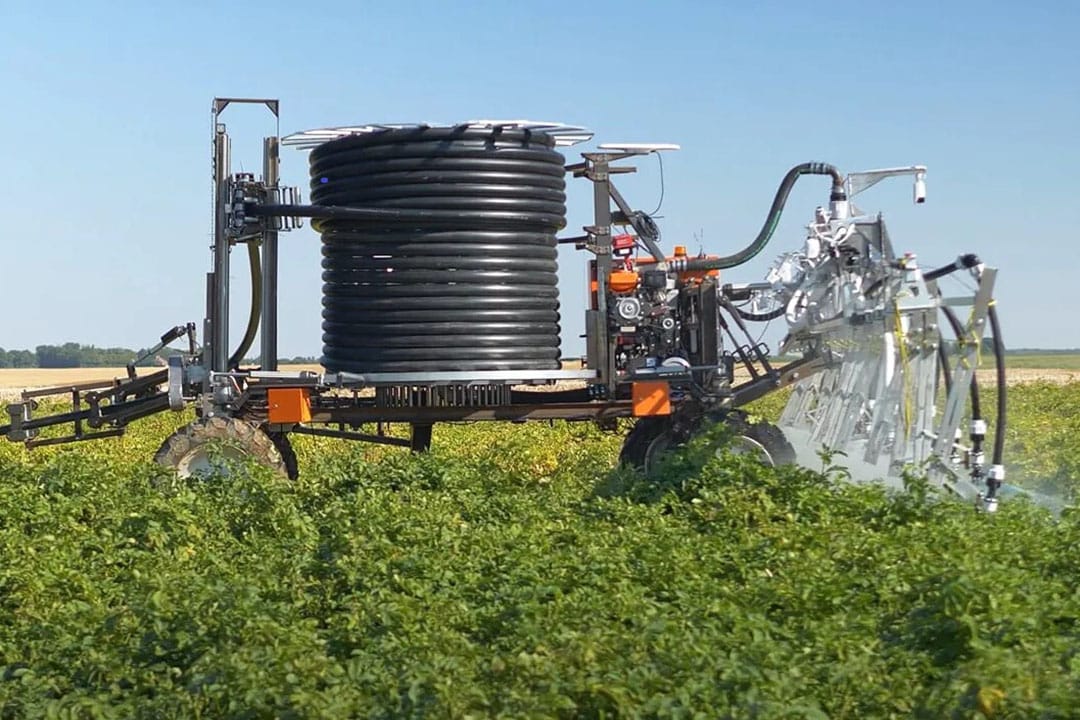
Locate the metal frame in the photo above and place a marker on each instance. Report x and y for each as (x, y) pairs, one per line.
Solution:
(877, 335)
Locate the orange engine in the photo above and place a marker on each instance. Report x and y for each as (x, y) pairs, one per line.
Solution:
(620, 282)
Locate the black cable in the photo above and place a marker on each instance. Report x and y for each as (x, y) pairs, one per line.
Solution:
(759, 317)
(649, 225)
(762, 358)
(660, 203)
(763, 331)
(772, 219)
(254, 314)
(999, 358)
(943, 358)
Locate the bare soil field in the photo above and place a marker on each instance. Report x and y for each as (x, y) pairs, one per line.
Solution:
(14, 380)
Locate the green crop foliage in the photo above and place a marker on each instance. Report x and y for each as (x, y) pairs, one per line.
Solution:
(514, 572)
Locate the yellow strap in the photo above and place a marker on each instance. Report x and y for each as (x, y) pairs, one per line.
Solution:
(904, 369)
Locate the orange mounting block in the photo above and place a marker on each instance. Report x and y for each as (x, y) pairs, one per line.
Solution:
(623, 281)
(288, 405)
(651, 398)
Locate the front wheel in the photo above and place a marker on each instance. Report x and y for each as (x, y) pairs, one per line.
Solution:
(652, 438)
(208, 445)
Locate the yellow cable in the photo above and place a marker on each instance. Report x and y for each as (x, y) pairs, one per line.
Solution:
(902, 342)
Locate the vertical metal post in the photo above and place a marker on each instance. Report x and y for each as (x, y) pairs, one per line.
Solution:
(268, 329)
(602, 229)
(219, 311)
(208, 322)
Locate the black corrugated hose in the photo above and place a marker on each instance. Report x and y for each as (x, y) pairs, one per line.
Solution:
(443, 253)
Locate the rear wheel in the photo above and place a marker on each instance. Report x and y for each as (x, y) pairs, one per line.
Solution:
(651, 438)
(208, 445)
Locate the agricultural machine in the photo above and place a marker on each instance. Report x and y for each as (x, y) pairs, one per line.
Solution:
(440, 304)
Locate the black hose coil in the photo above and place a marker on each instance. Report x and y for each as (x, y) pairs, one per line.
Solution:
(457, 270)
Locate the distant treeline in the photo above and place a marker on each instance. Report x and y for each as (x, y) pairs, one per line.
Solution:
(74, 355)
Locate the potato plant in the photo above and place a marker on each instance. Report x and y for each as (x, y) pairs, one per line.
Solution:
(515, 572)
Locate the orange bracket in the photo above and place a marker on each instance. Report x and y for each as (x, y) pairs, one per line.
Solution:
(651, 398)
(288, 405)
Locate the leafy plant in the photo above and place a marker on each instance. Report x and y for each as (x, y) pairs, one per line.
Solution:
(489, 578)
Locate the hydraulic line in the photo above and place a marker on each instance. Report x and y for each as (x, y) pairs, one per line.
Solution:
(943, 358)
(761, 356)
(977, 433)
(759, 317)
(958, 329)
(771, 220)
(997, 468)
(964, 262)
(255, 266)
(999, 359)
(439, 249)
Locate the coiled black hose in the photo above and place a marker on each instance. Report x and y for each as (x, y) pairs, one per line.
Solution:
(452, 263)
(772, 219)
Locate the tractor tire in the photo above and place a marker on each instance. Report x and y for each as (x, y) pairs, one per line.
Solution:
(651, 438)
(761, 438)
(190, 450)
(640, 438)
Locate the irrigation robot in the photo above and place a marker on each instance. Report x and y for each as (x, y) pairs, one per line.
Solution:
(440, 304)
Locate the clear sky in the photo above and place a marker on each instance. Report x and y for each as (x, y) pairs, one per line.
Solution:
(105, 180)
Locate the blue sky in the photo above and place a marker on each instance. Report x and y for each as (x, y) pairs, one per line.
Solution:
(105, 183)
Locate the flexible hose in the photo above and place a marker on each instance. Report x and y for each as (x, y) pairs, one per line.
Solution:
(943, 358)
(958, 329)
(964, 262)
(760, 317)
(999, 359)
(255, 266)
(772, 219)
(439, 249)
